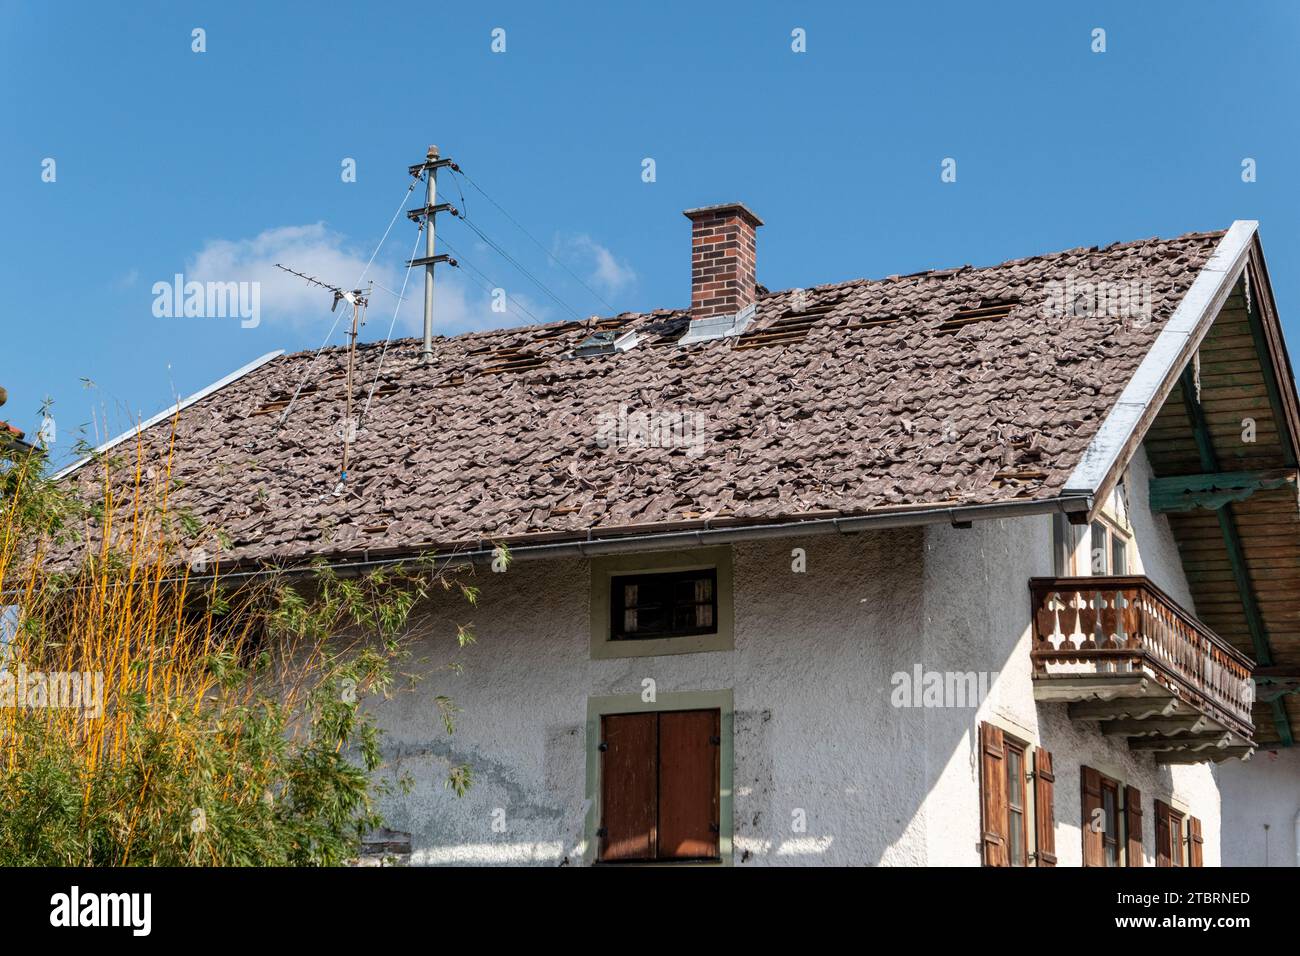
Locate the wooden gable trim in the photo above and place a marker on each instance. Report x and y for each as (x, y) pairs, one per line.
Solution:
(1111, 449)
(1238, 257)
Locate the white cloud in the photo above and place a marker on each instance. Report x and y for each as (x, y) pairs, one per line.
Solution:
(460, 305)
(607, 272)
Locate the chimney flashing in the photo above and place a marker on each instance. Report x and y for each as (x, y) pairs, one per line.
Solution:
(722, 209)
(718, 326)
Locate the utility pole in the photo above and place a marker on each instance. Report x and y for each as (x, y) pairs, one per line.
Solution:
(427, 216)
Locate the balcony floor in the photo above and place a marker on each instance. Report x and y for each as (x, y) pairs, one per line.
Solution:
(1149, 714)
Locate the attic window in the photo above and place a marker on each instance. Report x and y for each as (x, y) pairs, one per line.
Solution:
(791, 326)
(512, 359)
(605, 342)
(991, 311)
(668, 333)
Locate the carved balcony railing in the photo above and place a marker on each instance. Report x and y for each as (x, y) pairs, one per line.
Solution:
(1118, 639)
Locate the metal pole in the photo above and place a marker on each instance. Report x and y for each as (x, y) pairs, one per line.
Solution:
(347, 420)
(430, 197)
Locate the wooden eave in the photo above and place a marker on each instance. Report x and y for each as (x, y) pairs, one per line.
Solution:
(1240, 547)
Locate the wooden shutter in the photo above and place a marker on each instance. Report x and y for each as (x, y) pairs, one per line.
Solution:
(1044, 813)
(629, 784)
(1162, 834)
(1194, 842)
(1133, 826)
(993, 796)
(689, 747)
(1094, 849)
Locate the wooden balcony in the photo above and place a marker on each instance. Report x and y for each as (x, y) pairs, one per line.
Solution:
(1121, 651)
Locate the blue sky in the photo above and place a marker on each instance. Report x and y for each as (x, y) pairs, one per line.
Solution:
(220, 162)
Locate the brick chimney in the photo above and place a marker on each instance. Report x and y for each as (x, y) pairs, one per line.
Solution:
(723, 260)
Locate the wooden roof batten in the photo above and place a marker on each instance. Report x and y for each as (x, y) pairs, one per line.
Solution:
(1199, 484)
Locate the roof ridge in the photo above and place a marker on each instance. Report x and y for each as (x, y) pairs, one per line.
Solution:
(778, 293)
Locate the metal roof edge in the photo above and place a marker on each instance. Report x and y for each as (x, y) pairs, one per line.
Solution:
(169, 412)
(1164, 359)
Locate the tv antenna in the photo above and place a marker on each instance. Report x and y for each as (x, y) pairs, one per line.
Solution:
(359, 299)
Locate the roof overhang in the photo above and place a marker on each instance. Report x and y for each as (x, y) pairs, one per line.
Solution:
(1121, 432)
(1221, 362)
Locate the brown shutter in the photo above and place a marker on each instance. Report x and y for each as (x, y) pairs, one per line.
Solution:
(993, 796)
(1094, 850)
(628, 786)
(1044, 813)
(689, 748)
(1162, 834)
(1194, 842)
(1133, 826)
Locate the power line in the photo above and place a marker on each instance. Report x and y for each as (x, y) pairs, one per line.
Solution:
(539, 245)
(490, 286)
(391, 325)
(514, 262)
(284, 417)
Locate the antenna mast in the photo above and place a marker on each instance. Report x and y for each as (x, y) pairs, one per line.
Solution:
(359, 299)
(426, 217)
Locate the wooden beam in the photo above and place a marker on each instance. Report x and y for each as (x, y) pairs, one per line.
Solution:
(1214, 490)
(1242, 752)
(1135, 708)
(1161, 726)
(1215, 740)
(1236, 555)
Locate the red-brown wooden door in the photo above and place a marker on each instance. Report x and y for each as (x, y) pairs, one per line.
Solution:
(660, 786)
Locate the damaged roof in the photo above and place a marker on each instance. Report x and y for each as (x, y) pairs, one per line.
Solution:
(952, 388)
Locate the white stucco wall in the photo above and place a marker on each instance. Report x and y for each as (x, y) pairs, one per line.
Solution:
(815, 734)
(977, 617)
(1263, 791)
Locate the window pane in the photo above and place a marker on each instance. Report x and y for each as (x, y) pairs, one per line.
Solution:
(1016, 837)
(1015, 779)
(665, 604)
(1118, 555)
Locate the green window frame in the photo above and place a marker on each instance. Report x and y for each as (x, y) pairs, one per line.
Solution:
(720, 700)
(712, 625)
